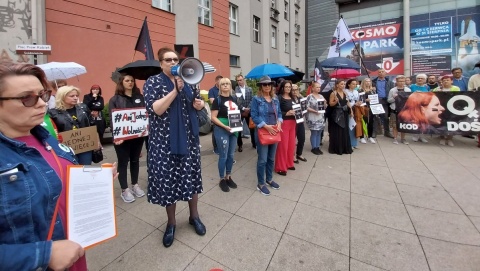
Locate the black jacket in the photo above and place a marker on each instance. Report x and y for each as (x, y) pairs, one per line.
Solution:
(123, 101)
(65, 122)
(94, 104)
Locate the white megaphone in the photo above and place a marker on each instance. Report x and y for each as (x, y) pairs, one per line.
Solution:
(191, 70)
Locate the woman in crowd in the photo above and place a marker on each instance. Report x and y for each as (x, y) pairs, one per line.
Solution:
(69, 114)
(174, 169)
(33, 168)
(422, 109)
(300, 129)
(392, 95)
(127, 95)
(369, 117)
(446, 85)
(286, 147)
(226, 140)
(265, 112)
(315, 117)
(338, 121)
(358, 112)
(95, 103)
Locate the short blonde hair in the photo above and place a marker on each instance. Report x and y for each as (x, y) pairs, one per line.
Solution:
(225, 80)
(60, 96)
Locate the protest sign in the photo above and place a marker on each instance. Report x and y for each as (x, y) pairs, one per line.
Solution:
(373, 98)
(377, 109)
(235, 121)
(298, 113)
(80, 140)
(129, 123)
(438, 112)
(303, 104)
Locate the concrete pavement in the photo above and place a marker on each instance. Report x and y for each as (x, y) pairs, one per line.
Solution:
(385, 207)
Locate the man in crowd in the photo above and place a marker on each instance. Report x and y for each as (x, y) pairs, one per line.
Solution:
(420, 83)
(212, 95)
(474, 82)
(383, 86)
(244, 97)
(400, 87)
(432, 81)
(408, 81)
(459, 80)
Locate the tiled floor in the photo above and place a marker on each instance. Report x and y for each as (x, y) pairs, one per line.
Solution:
(385, 207)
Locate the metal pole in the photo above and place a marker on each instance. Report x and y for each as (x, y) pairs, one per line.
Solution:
(407, 63)
(33, 23)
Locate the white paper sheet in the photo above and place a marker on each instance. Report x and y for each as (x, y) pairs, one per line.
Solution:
(373, 99)
(90, 205)
(377, 109)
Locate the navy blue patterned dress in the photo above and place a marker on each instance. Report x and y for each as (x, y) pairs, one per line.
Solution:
(170, 177)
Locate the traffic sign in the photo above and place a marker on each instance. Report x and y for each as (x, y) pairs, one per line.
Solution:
(33, 49)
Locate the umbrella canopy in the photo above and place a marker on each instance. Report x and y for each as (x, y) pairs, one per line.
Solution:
(339, 63)
(296, 77)
(344, 73)
(62, 70)
(208, 67)
(270, 69)
(141, 69)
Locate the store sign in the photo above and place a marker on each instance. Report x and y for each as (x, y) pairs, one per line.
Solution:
(33, 49)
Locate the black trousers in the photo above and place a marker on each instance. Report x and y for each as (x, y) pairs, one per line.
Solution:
(252, 131)
(300, 131)
(129, 151)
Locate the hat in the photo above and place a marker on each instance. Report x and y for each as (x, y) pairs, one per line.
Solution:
(447, 76)
(265, 80)
(95, 86)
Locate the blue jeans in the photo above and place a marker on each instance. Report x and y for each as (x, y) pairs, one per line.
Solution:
(353, 139)
(84, 158)
(265, 162)
(315, 138)
(226, 143)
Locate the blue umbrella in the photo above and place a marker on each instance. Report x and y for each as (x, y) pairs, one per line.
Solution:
(339, 63)
(270, 69)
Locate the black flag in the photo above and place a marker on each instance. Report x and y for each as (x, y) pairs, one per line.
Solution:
(144, 44)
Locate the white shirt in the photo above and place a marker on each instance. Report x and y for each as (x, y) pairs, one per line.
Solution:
(242, 89)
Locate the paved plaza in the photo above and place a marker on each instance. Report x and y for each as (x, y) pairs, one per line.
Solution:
(385, 207)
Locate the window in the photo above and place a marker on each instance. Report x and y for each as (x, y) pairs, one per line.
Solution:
(285, 13)
(163, 4)
(234, 61)
(256, 29)
(296, 47)
(233, 19)
(287, 43)
(274, 37)
(204, 14)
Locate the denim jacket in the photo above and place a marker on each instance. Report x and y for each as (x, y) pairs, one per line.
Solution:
(29, 189)
(259, 110)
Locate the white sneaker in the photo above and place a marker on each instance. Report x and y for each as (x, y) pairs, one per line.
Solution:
(442, 142)
(137, 191)
(424, 140)
(395, 141)
(450, 143)
(415, 138)
(127, 196)
(372, 140)
(363, 141)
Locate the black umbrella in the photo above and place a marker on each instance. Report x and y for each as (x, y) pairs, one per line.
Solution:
(141, 69)
(339, 63)
(296, 77)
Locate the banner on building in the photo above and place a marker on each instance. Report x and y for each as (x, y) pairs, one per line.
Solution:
(129, 123)
(440, 113)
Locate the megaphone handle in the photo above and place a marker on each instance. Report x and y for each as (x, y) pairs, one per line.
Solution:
(176, 85)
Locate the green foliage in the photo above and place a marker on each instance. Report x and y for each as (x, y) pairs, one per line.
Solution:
(253, 84)
(106, 115)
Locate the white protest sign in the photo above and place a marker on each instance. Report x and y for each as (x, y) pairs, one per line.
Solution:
(298, 113)
(377, 109)
(373, 99)
(129, 123)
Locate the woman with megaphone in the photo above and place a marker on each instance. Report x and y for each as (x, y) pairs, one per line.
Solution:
(174, 169)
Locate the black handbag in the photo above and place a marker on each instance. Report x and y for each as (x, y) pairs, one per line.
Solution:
(339, 117)
(97, 156)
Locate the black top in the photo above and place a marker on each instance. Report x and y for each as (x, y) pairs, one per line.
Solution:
(285, 106)
(93, 103)
(223, 110)
(66, 120)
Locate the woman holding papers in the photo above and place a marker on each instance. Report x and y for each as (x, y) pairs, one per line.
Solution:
(127, 95)
(286, 147)
(69, 114)
(316, 106)
(358, 112)
(300, 129)
(265, 109)
(225, 138)
(338, 129)
(367, 88)
(174, 169)
(32, 171)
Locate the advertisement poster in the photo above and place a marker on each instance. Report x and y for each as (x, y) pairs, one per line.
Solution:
(439, 42)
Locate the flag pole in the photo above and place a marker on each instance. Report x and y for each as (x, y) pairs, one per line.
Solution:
(362, 62)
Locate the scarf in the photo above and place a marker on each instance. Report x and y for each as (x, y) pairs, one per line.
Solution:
(178, 133)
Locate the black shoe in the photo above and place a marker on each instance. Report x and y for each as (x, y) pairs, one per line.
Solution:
(291, 168)
(469, 136)
(388, 134)
(240, 149)
(231, 183)
(254, 146)
(198, 225)
(296, 161)
(301, 158)
(319, 151)
(283, 173)
(169, 235)
(223, 185)
(315, 151)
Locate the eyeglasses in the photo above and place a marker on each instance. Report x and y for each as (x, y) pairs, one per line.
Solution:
(31, 99)
(225, 84)
(170, 59)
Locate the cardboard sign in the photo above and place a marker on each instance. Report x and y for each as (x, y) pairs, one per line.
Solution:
(129, 123)
(80, 140)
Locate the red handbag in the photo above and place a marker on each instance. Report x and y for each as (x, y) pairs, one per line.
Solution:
(266, 138)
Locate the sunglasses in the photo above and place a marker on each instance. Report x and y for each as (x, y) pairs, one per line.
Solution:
(170, 59)
(31, 99)
(265, 84)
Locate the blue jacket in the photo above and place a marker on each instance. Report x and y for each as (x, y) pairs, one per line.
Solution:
(259, 110)
(27, 202)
